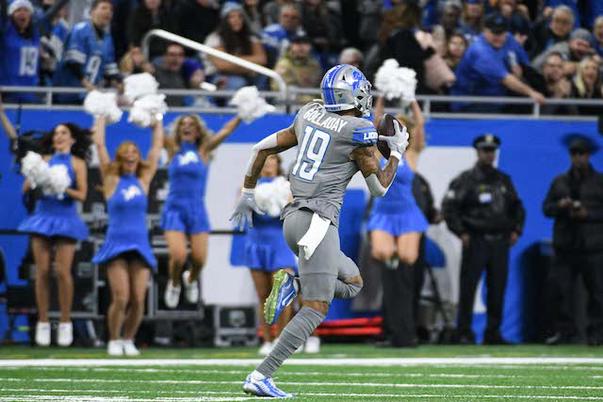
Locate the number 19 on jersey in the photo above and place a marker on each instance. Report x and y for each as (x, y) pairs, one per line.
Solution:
(311, 154)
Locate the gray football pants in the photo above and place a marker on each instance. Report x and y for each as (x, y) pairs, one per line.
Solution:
(324, 275)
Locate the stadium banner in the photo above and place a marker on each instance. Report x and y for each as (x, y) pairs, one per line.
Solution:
(531, 153)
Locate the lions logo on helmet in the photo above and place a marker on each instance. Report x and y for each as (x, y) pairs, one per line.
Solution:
(344, 87)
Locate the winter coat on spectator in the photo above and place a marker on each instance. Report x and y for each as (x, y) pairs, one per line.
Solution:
(572, 235)
(142, 20)
(194, 21)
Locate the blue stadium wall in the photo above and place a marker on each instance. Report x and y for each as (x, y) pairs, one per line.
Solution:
(532, 153)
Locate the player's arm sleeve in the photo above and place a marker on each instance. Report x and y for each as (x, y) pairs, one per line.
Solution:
(365, 135)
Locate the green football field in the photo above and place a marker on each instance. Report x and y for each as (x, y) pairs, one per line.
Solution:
(339, 373)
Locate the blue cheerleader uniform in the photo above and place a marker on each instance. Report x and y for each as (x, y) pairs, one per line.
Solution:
(397, 212)
(184, 209)
(56, 217)
(127, 230)
(265, 245)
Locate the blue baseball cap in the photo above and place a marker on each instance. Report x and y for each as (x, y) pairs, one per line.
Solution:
(497, 23)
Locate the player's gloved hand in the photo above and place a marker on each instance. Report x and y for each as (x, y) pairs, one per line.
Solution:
(243, 213)
(398, 142)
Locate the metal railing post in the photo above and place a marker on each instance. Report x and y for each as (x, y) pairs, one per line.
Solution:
(170, 37)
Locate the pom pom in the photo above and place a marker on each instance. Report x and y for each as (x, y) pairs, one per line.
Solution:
(395, 81)
(148, 109)
(59, 181)
(139, 85)
(35, 169)
(250, 104)
(103, 104)
(273, 196)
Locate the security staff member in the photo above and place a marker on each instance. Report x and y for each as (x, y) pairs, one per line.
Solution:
(483, 209)
(575, 201)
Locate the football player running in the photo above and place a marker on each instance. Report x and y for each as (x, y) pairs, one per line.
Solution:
(335, 141)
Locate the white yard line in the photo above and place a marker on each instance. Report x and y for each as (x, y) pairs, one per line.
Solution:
(288, 373)
(231, 396)
(305, 383)
(30, 398)
(401, 362)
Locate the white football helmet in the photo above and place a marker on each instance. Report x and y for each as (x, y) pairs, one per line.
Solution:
(344, 87)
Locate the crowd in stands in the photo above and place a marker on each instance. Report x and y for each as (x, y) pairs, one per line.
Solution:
(547, 49)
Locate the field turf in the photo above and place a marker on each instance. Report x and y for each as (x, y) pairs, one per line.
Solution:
(339, 373)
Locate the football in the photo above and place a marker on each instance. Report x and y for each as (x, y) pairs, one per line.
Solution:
(386, 128)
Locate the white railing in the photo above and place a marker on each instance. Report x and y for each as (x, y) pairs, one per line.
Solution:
(170, 37)
(291, 102)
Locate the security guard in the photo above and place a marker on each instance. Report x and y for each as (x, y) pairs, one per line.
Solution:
(483, 209)
(575, 201)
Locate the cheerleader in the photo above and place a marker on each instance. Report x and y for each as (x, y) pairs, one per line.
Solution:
(126, 253)
(184, 217)
(55, 227)
(396, 225)
(266, 250)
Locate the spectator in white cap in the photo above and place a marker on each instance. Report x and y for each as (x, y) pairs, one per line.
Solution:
(20, 37)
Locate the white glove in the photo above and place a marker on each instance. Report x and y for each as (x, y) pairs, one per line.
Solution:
(398, 142)
(243, 213)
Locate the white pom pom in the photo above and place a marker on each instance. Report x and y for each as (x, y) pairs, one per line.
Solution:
(395, 81)
(273, 196)
(250, 104)
(59, 180)
(146, 109)
(139, 85)
(103, 104)
(35, 169)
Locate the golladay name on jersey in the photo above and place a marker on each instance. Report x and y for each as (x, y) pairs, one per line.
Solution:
(318, 115)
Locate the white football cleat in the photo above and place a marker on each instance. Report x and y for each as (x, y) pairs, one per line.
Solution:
(312, 345)
(171, 297)
(265, 349)
(129, 348)
(263, 387)
(65, 335)
(115, 348)
(191, 289)
(43, 333)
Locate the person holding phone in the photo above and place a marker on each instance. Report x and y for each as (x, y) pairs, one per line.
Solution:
(575, 202)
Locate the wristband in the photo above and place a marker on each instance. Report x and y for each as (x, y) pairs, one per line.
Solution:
(248, 190)
(396, 155)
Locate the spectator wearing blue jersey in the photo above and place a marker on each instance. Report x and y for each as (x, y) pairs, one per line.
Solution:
(276, 37)
(492, 67)
(89, 54)
(22, 41)
(20, 37)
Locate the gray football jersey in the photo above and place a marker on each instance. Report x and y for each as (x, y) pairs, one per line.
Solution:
(323, 167)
